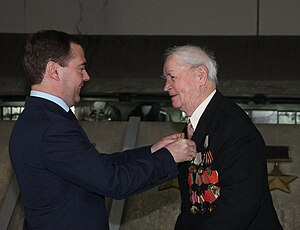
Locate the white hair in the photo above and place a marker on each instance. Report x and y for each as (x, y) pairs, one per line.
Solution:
(195, 56)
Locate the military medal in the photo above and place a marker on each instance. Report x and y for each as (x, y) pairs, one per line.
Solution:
(192, 168)
(201, 165)
(200, 170)
(198, 158)
(194, 209)
(209, 160)
(208, 170)
(203, 181)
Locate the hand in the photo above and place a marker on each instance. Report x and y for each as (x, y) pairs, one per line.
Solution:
(164, 142)
(182, 150)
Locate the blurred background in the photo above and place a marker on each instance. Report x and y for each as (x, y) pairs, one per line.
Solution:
(257, 48)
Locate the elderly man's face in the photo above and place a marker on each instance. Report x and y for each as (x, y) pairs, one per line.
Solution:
(181, 84)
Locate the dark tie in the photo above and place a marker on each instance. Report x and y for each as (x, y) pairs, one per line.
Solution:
(72, 116)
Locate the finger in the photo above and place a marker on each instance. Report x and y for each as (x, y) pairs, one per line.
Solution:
(191, 143)
(179, 135)
(174, 136)
(193, 154)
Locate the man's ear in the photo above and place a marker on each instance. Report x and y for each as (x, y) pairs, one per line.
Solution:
(203, 74)
(52, 70)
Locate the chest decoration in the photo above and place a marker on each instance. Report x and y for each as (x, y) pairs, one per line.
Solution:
(203, 181)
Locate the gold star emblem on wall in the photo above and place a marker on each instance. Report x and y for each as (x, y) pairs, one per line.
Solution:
(277, 180)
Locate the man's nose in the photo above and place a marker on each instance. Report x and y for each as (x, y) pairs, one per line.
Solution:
(86, 76)
(167, 86)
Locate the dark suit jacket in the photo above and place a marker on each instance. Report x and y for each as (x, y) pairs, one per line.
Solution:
(64, 180)
(239, 157)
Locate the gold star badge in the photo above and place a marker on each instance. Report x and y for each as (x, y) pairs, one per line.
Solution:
(277, 180)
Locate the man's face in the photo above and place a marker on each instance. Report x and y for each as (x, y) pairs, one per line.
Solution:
(181, 84)
(73, 76)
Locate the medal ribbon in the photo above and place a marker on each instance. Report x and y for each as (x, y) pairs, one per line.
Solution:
(203, 181)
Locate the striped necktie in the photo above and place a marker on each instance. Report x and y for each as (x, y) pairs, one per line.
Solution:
(190, 129)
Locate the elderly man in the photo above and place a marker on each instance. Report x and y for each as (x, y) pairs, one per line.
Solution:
(225, 186)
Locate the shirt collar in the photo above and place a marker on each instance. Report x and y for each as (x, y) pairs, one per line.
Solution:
(196, 115)
(50, 97)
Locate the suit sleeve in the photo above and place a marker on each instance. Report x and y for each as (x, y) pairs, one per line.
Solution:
(69, 154)
(128, 155)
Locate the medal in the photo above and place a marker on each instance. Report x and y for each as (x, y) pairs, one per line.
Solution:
(181, 135)
(213, 178)
(198, 158)
(209, 158)
(192, 168)
(194, 209)
(202, 181)
(206, 142)
(208, 170)
(200, 170)
(211, 207)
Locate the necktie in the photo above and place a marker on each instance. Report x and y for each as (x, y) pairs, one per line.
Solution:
(72, 116)
(190, 129)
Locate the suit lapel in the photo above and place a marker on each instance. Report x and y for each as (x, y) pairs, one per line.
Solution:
(204, 126)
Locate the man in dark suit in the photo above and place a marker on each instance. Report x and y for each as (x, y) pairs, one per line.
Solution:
(225, 186)
(63, 179)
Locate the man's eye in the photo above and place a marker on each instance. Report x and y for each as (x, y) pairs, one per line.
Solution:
(168, 77)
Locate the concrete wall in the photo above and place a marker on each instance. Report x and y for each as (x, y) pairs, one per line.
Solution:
(156, 17)
(156, 209)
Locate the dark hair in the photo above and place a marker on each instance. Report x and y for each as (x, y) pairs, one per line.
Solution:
(45, 46)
